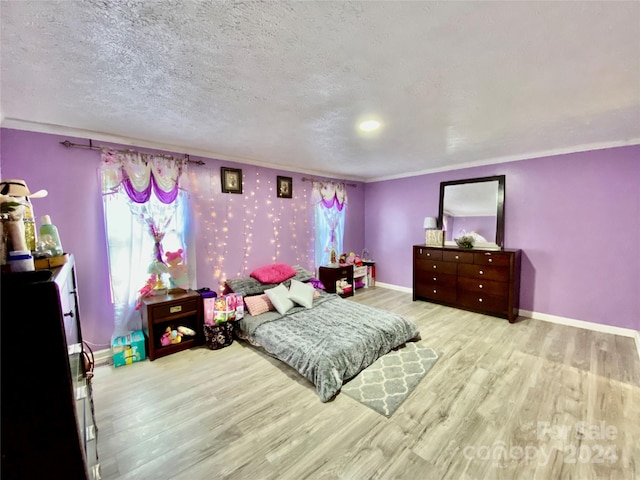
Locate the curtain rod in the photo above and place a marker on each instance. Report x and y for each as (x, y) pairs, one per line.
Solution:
(306, 179)
(91, 146)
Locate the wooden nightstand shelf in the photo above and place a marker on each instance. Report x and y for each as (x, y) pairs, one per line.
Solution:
(172, 310)
(333, 277)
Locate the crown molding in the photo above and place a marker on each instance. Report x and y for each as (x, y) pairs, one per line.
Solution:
(17, 124)
(513, 158)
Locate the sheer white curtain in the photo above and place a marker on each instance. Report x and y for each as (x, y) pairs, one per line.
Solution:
(147, 213)
(330, 202)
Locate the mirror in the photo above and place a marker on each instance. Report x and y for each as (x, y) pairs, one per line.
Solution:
(473, 206)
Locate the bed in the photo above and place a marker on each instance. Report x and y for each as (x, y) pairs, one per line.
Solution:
(329, 341)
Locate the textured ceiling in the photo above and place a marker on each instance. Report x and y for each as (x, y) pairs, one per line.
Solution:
(284, 84)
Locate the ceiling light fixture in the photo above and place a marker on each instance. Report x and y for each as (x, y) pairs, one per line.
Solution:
(369, 125)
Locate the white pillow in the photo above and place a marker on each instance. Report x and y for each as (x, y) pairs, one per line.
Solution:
(279, 296)
(301, 293)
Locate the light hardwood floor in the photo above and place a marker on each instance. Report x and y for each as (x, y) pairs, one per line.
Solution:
(530, 400)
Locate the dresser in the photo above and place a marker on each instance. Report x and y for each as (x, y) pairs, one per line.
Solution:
(483, 281)
(48, 427)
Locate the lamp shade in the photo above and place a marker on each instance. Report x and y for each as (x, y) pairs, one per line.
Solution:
(430, 222)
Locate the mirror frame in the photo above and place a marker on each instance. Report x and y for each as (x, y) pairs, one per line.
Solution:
(499, 241)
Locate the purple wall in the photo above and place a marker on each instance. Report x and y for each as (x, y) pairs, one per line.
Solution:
(576, 218)
(564, 212)
(234, 233)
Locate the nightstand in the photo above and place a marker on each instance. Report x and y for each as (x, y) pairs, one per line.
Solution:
(337, 280)
(172, 310)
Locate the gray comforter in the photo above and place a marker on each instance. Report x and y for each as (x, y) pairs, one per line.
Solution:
(330, 342)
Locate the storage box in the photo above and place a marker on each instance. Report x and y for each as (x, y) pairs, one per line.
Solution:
(128, 349)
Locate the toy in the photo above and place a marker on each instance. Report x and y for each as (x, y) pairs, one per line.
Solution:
(342, 286)
(350, 259)
(177, 269)
(170, 337)
(186, 331)
(147, 290)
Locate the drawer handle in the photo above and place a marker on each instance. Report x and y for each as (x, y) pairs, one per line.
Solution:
(69, 314)
(490, 260)
(480, 300)
(435, 291)
(435, 266)
(428, 254)
(480, 286)
(175, 309)
(435, 278)
(481, 272)
(457, 257)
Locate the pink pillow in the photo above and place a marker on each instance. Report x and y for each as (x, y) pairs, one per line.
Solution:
(276, 273)
(258, 304)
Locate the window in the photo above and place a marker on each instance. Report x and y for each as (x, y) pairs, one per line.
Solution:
(330, 201)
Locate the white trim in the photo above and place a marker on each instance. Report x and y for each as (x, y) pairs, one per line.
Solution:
(394, 287)
(512, 158)
(16, 124)
(102, 357)
(596, 327)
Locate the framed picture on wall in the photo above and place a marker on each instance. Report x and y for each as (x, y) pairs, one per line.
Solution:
(285, 187)
(231, 180)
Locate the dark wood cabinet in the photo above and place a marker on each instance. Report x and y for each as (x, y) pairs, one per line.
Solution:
(484, 281)
(171, 311)
(48, 426)
(337, 280)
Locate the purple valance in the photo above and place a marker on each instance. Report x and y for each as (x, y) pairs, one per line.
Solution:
(333, 202)
(144, 195)
(141, 174)
(330, 194)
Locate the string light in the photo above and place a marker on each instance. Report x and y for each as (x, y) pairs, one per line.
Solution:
(221, 218)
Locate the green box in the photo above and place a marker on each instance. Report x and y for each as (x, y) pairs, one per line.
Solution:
(128, 349)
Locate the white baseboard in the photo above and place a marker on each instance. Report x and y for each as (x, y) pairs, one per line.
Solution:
(102, 357)
(394, 287)
(596, 327)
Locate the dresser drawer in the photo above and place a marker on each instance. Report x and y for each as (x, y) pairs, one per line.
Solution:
(484, 286)
(481, 301)
(459, 257)
(427, 267)
(438, 279)
(436, 292)
(188, 307)
(500, 274)
(492, 258)
(422, 253)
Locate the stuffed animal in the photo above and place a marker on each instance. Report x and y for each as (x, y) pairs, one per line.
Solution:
(189, 332)
(170, 337)
(177, 269)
